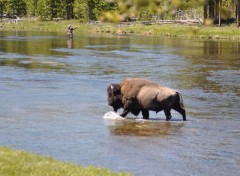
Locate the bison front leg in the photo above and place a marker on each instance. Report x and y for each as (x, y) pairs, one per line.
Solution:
(124, 113)
(126, 107)
(168, 114)
(145, 114)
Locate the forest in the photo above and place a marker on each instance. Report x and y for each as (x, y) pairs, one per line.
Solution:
(217, 11)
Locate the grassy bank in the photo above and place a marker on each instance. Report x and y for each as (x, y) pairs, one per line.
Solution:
(165, 30)
(17, 163)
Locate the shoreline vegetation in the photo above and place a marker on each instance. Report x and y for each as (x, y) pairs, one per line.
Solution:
(191, 31)
(16, 162)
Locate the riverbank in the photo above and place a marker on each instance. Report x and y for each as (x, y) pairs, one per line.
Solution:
(15, 162)
(163, 30)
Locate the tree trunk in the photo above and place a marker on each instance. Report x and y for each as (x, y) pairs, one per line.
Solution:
(211, 9)
(219, 6)
(205, 12)
(238, 13)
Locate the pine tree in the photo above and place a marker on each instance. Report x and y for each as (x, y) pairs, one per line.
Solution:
(31, 6)
(81, 9)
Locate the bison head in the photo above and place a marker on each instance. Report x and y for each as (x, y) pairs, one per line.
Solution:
(114, 96)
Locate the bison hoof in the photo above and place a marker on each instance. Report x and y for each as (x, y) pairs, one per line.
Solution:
(168, 118)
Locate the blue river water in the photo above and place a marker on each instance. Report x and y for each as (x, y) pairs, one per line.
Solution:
(53, 99)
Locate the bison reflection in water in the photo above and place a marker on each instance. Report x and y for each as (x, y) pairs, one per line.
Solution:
(133, 127)
(137, 95)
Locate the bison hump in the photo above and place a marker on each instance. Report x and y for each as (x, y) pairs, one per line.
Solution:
(130, 87)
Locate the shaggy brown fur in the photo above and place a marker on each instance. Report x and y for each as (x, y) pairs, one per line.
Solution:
(130, 87)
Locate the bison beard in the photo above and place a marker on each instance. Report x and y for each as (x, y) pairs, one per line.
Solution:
(137, 95)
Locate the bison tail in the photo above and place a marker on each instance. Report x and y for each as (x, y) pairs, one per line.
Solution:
(181, 109)
(180, 100)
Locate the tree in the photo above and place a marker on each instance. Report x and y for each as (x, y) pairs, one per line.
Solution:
(69, 9)
(219, 10)
(102, 6)
(15, 7)
(92, 9)
(237, 4)
(131, 8)
(2, 7)
(58, 9)
(31, 6)
(118, 10)
(81, 9)
(43, 9)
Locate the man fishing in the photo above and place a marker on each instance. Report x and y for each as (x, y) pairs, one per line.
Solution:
(70, 30)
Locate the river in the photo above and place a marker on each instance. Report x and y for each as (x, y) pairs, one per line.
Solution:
(53, 99)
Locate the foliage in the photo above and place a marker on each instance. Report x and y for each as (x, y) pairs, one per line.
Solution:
(12, 7)
(63, 9)
(81, 10)
(170, 30)
(31, 7)
(144, 8)
(118, 10)
(42, 9)
(14, 162)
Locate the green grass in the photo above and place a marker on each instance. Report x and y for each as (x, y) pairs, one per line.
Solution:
(21, 163)
(35, 25)
(165, 30)
(183, 31)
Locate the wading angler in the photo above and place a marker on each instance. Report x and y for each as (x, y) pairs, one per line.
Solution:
(70, 30)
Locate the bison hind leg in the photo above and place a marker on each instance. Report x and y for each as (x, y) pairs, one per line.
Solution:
(179, 107)
(181, 111)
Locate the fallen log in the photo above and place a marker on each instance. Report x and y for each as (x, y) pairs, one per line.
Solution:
(180, 21)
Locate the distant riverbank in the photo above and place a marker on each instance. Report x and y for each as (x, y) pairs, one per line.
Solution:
(164, 30)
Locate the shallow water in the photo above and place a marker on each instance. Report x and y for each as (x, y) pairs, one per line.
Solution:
(53, 99)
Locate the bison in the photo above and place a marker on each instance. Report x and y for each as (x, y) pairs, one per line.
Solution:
(137, 95)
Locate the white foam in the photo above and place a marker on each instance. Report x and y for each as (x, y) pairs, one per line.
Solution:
(112, 115)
